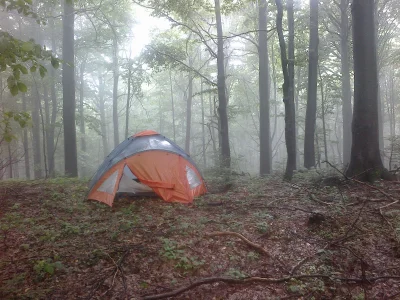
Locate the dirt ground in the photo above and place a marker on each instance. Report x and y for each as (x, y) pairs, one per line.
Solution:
(257, 239)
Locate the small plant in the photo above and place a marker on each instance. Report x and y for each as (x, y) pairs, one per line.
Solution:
(253, 255)
(46, 267)
(236, 273)
(70, 229)
(183, 261)
(262, 227)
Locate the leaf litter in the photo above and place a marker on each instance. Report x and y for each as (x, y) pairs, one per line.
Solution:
(260, 239)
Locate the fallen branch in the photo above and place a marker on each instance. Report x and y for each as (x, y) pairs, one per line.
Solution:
(264, 280)
(238, 235)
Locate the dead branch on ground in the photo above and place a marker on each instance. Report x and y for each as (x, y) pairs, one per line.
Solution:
(238, 235)
(264, 280)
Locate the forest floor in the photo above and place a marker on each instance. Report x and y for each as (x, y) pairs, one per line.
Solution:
(264, 238)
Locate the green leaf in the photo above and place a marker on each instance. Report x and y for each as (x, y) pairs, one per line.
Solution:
(54, 62)
(42, 71)
(49, 268)
(27, 46)
(14, 90)
(33, 69)
(23, 69)
(22, 87)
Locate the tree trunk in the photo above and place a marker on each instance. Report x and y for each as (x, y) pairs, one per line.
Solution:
(347, 113)
(298, 79)
(26, 143)
(54, 108)
(222, 101)
(68, 81)
(290, 125)
(172, 106)
(311, 112)
(323, 116)
(115, 91)
(44, 133)
(365, 156)
(189, 109)
(37, 156)
(103, 126)
(82, 129)
(203, 133)
(128, 100)
(10, 161)
(263, 84)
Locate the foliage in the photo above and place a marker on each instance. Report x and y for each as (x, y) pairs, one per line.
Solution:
(8, 118)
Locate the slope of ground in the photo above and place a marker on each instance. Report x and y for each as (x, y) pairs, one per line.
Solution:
(326, 240)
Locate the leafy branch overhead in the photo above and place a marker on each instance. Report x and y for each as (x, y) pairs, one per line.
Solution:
(17, 56)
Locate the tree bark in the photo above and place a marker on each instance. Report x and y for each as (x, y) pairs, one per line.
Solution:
(37, 156)
(323, 116)
(311, 112)
(103, 126)
(263, 84)
(290, 125)
(82, 129)
(189, 109)
(128, 100)
(54, 109)
(221, 85)
(26, 143)
(115, 91)
(365, 154)
(203, 133)
(68, 81)
(347, 113)
(172, 106)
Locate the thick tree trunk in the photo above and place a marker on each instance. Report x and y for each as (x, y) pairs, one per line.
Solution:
(365, 154)
(37, 156)
(103, 126)
(311, 112)
(263, 83)
(222, 100)
(347, 113)
(68, 81)
(26, 143)
(290, 125)
(115, 91)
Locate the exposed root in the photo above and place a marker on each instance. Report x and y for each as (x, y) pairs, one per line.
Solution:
(263, 280)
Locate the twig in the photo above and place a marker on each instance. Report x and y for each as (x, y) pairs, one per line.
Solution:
(238, 235)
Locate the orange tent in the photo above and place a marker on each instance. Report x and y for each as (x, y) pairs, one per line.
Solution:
(147, 163)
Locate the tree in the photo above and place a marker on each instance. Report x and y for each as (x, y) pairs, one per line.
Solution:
(288, 99)
(68, 82)
(311, 113)
(221, 85)
(347, 114)
(263, 83)
(365, 155)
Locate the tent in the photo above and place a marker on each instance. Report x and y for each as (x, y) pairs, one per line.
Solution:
(147, 163)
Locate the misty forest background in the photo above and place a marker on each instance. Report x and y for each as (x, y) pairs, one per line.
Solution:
(218, 65)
